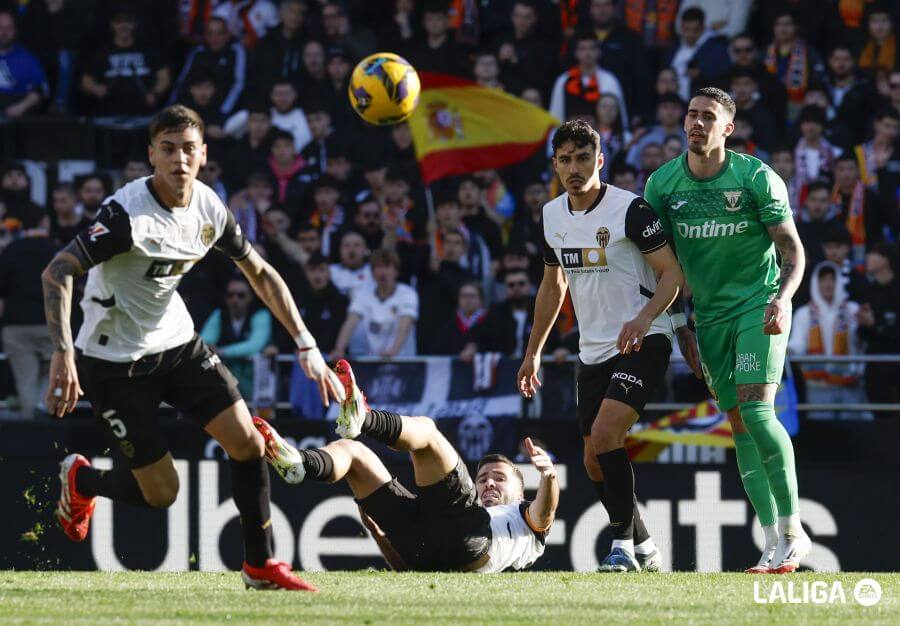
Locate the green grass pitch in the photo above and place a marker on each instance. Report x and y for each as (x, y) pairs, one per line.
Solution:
(388, 598)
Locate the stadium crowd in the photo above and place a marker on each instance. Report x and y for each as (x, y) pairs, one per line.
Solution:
(381, 265)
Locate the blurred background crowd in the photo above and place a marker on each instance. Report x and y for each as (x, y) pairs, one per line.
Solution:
(382, 266)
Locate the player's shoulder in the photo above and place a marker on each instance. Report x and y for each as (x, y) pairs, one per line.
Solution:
(668, 174)
(134, 198)
(558, 204)
(748, 167)
(619, 196)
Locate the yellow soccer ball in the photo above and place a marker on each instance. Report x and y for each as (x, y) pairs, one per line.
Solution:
(384, 89)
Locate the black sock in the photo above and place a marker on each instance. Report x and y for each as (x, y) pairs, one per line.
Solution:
(117, 484)
(641, 534)
(250, 489)
(619, 479)
(318, 464)
(383, 426)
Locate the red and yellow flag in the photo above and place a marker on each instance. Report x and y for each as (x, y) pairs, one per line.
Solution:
(700, 425)
(460, 127)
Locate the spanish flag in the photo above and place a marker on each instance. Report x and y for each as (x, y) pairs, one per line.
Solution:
(460, 127)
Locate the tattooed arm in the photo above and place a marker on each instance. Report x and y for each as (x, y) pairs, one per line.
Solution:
(58, 279)
(793, 263)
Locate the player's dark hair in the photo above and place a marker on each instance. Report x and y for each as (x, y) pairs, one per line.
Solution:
(716, 94)
(693, 14)
(176, 117)
(500, 458)
(578, 132)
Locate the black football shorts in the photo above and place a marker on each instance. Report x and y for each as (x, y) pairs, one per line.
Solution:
(441, 528)
(125, 397)
(630, 378)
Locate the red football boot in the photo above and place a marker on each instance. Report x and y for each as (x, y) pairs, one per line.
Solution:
(74, 510)
(273, 575)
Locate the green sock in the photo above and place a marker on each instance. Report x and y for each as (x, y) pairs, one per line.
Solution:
(753, 475)
(776, 452)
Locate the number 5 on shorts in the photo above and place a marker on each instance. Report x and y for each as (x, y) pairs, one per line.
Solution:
(116, 425)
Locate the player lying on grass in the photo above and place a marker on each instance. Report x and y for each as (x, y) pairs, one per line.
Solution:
(451, 524)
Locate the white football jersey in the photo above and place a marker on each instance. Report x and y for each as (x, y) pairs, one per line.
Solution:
(601, 252)
(513, 543)
(380, 318)
(139, 250)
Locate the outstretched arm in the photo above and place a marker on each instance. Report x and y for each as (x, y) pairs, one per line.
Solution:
(58, 279)
(793, 263)
(549, 299)
(273, 291)
(542, 510)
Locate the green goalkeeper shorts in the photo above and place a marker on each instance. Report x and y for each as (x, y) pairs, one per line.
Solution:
(738, 352)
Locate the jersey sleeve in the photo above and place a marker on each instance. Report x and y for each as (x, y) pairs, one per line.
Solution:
(771, 195)
(540, 534)
(547, 252)
(644, 227)
(657, 203)
(232, 243)
(109, 235)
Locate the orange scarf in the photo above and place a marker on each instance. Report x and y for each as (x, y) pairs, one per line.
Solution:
(656, 25)
(855, 221)
(796, 76)
(879, 58)
(840, 346)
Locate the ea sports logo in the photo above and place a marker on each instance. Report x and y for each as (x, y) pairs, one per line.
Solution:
(867, 592)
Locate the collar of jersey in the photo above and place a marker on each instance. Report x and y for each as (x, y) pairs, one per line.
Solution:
(593, 205)
(689, 174)
(163, 204)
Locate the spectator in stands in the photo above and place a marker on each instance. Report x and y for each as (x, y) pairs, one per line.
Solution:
(285, 168)
(248, 20)
(387, 311)
(66, 221)
(879, 324)
(745, 91)
(793, 61)
(403, 219)
(858, 207)
(527, 229)
(125, 78)
(92, 191)
(851, 96)
(626, 177)
(219, 59)
(279, 55)
(238, 333)
(816, 219)
(836, 244)
(651, 160)
(250, 153)
(359, 42)
(875, 155)
(744, 131)
(438, 290)
(340, 65)
(323, 307)
(654, 24)
(135, 167)
(23, 83)
(722, 18)
(621, 53)
(201, 96)
(477, 259)
(248, 205)
(577, 91)
(827, 326)
(613, 136)
(26, 339)
(893, 99)
(324, 137)
(771, 93)
(514, 259)
(881, 54)
(700, 57)
(210, 174)
(15, 191)
(672, 148)
(352, 270)
(461, 329)
(285, 114)
(526, 56)
(813, 155)
(328, 215)
(670, 111)
(486, 72)
(783, 164)
(436, 50)
(508, 323)
(315, 74)
(478, 218)
(367, 222)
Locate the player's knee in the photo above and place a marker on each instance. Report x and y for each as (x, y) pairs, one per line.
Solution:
(605, 436)
(248, 449)
(163, 494)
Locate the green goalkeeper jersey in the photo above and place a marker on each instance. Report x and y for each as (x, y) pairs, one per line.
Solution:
(718, 226)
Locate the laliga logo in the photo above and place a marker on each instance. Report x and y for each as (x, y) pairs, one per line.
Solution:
(866, 592)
